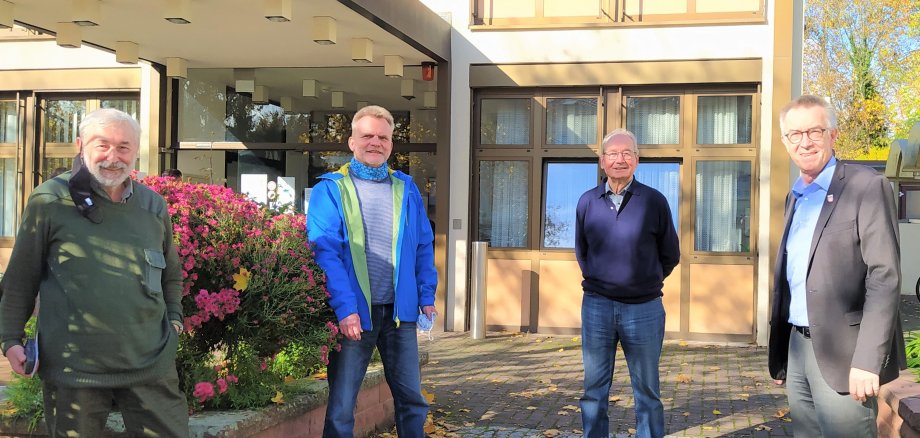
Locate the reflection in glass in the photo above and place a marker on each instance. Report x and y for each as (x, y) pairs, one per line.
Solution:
(505, 121)
(250, 122)
(571, 121)
(565, 183)
(129, 106)
(723, 120)
(723, 206)
(202, 108)
(8, 122)
(8, 197)
(50, 164)
(62, 120)
(297, 128)
(503, 209)
(664, 177)
(654, 120)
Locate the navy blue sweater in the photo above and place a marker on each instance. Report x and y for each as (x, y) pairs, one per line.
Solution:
(625, 255)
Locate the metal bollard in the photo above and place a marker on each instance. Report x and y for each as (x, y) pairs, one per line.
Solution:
(478, 290)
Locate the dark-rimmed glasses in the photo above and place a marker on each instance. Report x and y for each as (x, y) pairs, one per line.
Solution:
(814, 134)
(627, 155)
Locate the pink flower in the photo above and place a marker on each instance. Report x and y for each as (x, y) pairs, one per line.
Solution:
(232, 378)
(263, 366)
(221, 385)
(204, 391)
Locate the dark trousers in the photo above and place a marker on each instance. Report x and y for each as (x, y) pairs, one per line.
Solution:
(156, 409)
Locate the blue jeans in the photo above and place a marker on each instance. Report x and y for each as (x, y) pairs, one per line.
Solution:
(399, 351)
(640, 329)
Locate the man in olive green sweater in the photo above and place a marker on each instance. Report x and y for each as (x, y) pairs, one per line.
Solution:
(98, 246)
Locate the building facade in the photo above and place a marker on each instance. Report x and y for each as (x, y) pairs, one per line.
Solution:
(500, 105)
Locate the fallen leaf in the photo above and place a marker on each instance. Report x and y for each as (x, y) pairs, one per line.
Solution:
(468, 424)
(708, 428)
(429, 428)
(683, 378)
(320, 376)
(551, 432)
(714, 368)
(669, 399)
(763, 427)
(682, 343)
(686, 414)
(563, 413)
(576, 339)
(571, 407)
(743, 397)
(428, 396)
(288, 379)
(432, 362)
(631, 431)
(241, 280)
(561, 350)
(488, 415)
(615, 399)
(463, 410)
(278, 398)
(716, 412)
(781, 413)
(531, 408)
(458, 392)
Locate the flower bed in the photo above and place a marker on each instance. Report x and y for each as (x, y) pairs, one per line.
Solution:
(254, 300)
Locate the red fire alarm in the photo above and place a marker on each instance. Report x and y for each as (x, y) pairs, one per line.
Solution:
(428, 71)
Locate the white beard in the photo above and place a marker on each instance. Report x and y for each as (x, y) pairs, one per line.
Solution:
(109, 182)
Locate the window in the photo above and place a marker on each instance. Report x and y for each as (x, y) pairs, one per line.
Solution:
(503, 206)
(723, 206)
(9, 124)
(129, 106)
(62, 120)
(723, 120)
(571, 121)
(654, 120)
(565, 183)
(664, 177)
(505, 122)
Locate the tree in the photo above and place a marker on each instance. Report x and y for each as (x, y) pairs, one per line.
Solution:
(864, 55)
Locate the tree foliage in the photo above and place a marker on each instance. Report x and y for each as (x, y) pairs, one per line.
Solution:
(864, 55)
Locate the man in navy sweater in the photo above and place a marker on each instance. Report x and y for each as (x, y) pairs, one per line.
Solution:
(626, 245)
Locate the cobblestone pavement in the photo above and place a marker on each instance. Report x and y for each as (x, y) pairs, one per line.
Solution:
(526, 385)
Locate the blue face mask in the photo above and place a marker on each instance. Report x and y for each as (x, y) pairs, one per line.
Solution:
(425, 325)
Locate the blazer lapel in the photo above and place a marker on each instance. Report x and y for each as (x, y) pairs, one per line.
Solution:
(833, 198)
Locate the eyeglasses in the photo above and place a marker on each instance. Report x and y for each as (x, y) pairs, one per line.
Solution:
(814, 134)
(627, 155)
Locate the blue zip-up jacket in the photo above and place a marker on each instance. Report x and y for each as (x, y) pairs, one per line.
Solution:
(336, 229)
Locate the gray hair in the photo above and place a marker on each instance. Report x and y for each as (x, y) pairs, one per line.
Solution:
(104, 117)
(372, 111)
(619, 131)
(808, 101)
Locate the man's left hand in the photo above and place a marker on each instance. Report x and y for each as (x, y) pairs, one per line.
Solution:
(429, 312)
(863, 384)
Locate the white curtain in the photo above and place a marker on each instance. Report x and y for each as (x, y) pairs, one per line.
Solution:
(571, 121)
(8, 122)
(724, 120)
(507, 119)
(722, 206)
(664, 177)
(503, 209)
(654, 120)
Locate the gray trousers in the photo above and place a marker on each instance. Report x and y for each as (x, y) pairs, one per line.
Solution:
(815, 408)
(157, 409)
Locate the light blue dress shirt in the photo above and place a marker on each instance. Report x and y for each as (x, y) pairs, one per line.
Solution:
(617, 198)
(810, 199)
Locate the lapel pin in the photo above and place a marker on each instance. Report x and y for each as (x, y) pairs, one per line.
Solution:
(830, 198)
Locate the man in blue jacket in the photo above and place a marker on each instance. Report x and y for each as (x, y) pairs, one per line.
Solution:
(626, 245)
(372, 238)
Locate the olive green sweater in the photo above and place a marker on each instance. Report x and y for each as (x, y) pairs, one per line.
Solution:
(108, 290)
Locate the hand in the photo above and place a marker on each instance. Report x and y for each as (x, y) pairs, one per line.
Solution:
(863, 384)
(350, 326)
(17, 357)
(430, 312)
(178, 326)
(779, 381)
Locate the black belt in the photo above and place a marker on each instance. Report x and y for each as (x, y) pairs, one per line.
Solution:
(803, 330)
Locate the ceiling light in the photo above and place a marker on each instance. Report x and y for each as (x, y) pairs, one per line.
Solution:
(309, 88)
(393, 66)
(68, 35)
(6, 14)
(324, 30)
(362, 50)
(260, 94)
(407, 89)
(178, 11)
(244, 80)
(85, 12)
(338, 99)
(177, 68)
(278, 11)
(126, 52)
(430, 99)
(287, 104)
